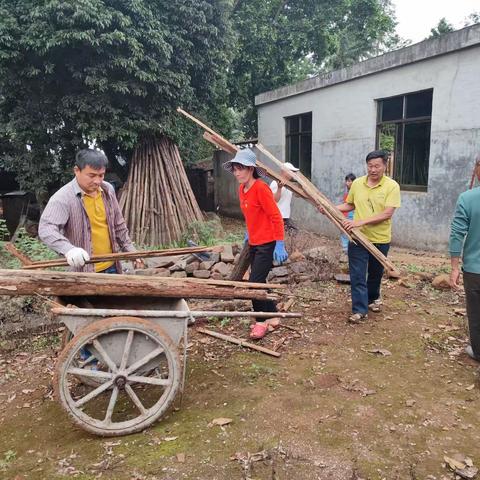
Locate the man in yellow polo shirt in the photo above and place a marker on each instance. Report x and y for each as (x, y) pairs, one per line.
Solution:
(374, 198)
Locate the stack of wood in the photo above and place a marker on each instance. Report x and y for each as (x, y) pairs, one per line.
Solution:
(301, 186)
(157, 200)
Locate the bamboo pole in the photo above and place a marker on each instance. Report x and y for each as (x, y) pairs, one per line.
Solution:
(115, 312)
(124, 256)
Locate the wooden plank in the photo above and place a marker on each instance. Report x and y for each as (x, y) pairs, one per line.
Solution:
(328, 206)
(238, 341)
(303, 188)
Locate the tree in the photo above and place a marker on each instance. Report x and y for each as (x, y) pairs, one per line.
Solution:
(442, 27)
(102, 72)
(281, 41)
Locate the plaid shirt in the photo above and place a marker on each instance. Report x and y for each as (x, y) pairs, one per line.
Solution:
(64, 223)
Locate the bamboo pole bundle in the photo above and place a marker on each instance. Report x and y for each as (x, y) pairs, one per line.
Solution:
(301, 186)
(157, 200)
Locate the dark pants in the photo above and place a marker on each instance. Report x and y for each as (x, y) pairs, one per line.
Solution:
(261, 260)
(471, 282)
(365, 275)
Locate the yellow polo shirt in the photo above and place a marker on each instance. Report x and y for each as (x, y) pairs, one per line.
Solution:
(370, 201)
(101, 244)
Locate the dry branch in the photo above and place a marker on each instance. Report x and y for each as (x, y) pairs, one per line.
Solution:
(238, 341)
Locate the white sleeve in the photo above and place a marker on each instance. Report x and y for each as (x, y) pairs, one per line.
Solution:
(274, 186)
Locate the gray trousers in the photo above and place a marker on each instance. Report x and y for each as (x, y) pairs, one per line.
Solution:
(471, 282)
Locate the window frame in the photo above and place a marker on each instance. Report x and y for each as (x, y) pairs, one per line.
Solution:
(300, 133)
(402, 123)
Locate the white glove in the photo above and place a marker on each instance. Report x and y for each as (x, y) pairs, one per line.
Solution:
(76, 257)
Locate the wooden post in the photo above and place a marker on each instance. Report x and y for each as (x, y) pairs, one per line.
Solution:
(242, 265)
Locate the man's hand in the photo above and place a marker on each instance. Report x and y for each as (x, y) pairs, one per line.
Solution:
(349, 225)
(454, 278)
(76, 257)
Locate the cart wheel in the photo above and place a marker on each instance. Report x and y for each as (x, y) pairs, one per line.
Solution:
(135, 381)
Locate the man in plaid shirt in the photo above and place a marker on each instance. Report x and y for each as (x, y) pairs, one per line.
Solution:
(83, 218)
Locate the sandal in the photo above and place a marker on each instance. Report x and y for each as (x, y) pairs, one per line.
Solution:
(357, 318)
(375, 306)
(258, 330)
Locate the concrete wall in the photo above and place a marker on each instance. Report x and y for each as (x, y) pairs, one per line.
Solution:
(344, 128)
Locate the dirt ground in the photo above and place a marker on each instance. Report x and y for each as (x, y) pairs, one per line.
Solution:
(387, 399)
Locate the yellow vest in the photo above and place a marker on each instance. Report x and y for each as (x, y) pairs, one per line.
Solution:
(370, 201)
(101, 244)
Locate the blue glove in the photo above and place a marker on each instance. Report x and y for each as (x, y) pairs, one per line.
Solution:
(245, 239)
(280, 254)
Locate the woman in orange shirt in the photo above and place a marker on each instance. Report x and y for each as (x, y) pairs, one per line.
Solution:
(265, 233)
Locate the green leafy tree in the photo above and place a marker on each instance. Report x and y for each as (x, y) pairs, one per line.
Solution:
(281, 41)
(102, 72)
(442, 27)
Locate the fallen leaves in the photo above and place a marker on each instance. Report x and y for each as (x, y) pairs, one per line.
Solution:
(461, 465)
(380, 351)
(220, 422)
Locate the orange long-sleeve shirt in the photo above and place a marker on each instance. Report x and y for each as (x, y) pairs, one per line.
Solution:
(262, 216)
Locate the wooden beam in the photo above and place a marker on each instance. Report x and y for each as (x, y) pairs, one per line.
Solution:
(26, 282)
(300, 185)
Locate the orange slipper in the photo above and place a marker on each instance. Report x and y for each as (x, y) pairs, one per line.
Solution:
(258, 330)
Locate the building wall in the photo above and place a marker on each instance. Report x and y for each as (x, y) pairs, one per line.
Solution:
(344, 128)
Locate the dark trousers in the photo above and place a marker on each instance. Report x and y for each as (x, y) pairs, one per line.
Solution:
(261, 260)
(471, 282)
(365, 275)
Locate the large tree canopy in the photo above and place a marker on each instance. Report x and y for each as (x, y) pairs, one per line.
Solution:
(103, 71)
(282, 41)
(108, 72)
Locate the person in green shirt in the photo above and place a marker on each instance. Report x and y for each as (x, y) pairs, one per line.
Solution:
(374, 197)
(465, 242)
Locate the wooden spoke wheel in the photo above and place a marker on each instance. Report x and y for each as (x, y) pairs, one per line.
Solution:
(135, 371)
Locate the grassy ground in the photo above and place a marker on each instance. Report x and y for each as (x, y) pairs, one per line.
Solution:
(383, 400)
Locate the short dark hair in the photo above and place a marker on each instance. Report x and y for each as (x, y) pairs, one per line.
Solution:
(383, 154)
(93, 158)
(350, 176)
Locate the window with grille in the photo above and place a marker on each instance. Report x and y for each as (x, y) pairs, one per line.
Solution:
(403, 128)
